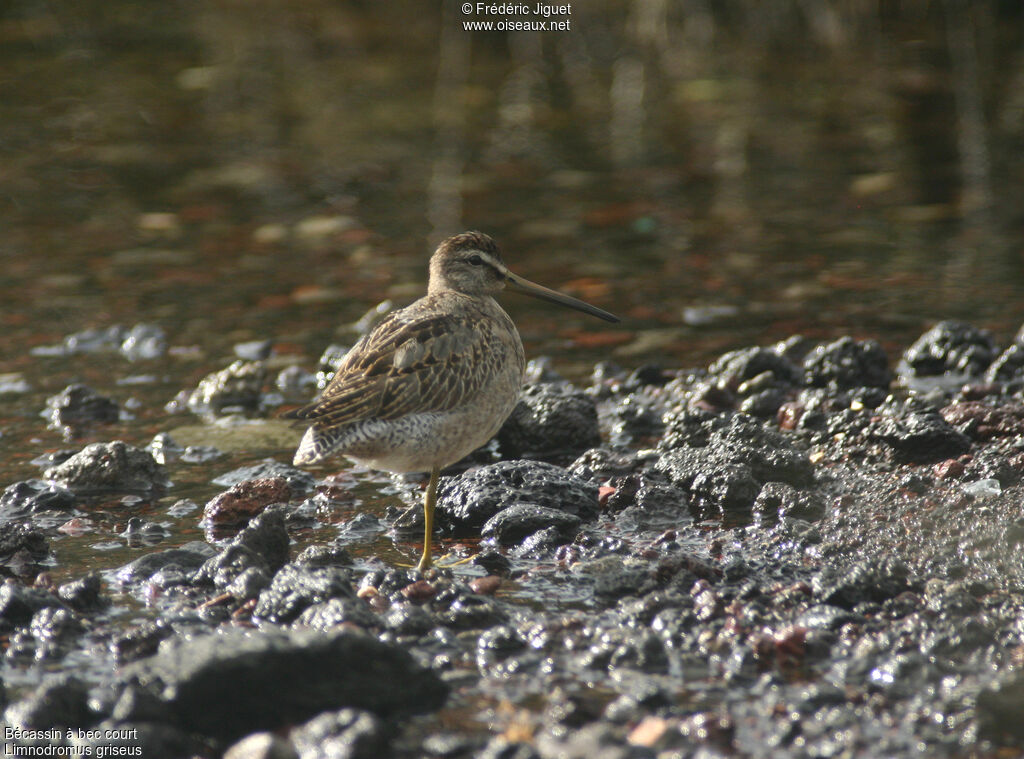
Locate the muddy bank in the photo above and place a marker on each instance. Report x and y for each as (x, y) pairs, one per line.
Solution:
(801, 550)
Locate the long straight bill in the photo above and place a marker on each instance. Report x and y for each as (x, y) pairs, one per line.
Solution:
(527, 287)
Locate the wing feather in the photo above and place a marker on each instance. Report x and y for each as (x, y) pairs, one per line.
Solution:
(431, 363)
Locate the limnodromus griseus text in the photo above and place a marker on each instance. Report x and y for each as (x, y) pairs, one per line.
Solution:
(433, 381)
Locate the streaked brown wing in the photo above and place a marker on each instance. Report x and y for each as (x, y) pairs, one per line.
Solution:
(431, 364)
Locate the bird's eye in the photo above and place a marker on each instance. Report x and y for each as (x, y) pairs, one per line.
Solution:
(475, 260)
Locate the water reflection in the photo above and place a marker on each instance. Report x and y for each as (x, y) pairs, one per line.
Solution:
(825, 167)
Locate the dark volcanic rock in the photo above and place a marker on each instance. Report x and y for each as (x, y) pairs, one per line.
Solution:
(724, 463)
(236, 387)
(297, 587)
(469, 500)
(84, 594)
(510, 525)
(338, 611)
(551, 421)
(847, 363)
(34, 496)
(186, 559)
(110, 468)
(78, 405)
(19, 604)
(1008, 366)
(267, 537)
(951, 346)
(921, 437)
(870, 581)
(144, 341)
(234, 683)
(246, 564)
(777, 500)
(22, 544)
(733, 369)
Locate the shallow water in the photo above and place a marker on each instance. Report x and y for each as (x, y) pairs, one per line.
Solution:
(236, 172)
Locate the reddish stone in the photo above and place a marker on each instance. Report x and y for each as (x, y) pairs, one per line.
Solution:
(421, 590)
(948, 469)
(789, 415)
(240, 503)
(485, 586)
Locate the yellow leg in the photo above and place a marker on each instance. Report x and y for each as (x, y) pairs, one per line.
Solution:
(429, 500)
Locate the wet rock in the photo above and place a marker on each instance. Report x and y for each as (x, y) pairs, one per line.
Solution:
(764, 404)
(737, 367)
(22, 546)
(409, 619)
(727, 473)
(243, 501)
(510, 525)
(950, 347)
(647, 494)
(296, 587)
(254, 350)
(540, 371)
(87, 341)
(138, 532)
(267, 537)
(847, 363)
(335, 612)
(84, 594)
(186, 558)
(777, 500)
(234, 683)
(551, 422)
(299, 481)
(600, 464)
(137, 643)
(344, 734)
(18, 604)
(921, 437)
(325, 556)
(143, 341)
(614, 579)
(294, 382)
(469, 500)
(1008, 366)
(236, 387)
(13, 383)
(50, 634)
(360, 528)
(636, 416)
(864, 582)
(328, 364)
(495, 646)
(115, 467)
(60, 702)
(247, 562)
(262, 746)
(77, 405)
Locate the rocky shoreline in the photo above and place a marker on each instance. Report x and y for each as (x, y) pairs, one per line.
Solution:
(798, 551)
